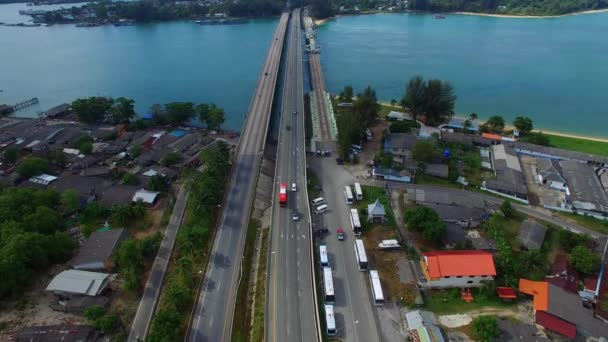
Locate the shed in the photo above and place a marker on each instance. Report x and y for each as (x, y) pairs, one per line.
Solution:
(148, 197)
(531, 234)
(96, 252)
(42, 179)
(376, 212)
(57, 111)
(75, 282)
(399, 116)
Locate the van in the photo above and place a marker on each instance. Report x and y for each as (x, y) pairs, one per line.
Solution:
(321, 209)
(318, 201)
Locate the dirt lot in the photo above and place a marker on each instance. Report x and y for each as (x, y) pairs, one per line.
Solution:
(387, 264)
(369, 151)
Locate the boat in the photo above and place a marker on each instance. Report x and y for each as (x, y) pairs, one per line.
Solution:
(439, 16)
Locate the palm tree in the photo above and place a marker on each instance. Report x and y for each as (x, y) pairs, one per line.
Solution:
(473, 116)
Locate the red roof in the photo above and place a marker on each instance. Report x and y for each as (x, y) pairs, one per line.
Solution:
(506, 292)
(459, 263)
(556, 324)
(491, 136)
(591, 283)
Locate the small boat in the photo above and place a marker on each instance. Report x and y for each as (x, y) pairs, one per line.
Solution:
(439, 16)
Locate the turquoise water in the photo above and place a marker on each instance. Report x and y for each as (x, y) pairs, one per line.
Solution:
(154, 63)
(554, 70)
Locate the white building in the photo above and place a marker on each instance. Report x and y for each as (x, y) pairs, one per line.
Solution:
(446, 269)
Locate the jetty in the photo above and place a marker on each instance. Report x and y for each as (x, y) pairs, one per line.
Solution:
(25, 104)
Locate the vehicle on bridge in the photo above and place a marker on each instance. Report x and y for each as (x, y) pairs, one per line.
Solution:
(283, 195)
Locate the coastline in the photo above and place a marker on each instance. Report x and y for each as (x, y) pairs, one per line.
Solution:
(514, 16)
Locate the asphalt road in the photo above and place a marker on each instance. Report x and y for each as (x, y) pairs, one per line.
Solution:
(214, 309)
(147, 304)
(290, 312)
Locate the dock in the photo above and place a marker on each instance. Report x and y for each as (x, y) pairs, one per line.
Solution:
(25, 104)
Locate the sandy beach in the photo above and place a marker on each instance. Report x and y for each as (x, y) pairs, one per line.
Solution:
(319, 22)
(531, 16)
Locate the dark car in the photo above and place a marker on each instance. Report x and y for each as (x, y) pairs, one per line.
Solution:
(321, 233)
(340, 161)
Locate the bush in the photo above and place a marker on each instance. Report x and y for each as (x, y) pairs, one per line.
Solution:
(170, 159)
(485, 328)
(130, 179)
(584, 260)
(32, 166)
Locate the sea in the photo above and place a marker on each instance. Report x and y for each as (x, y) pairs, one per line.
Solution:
(554, 70)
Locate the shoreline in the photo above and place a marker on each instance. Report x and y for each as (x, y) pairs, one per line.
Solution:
(515, 16)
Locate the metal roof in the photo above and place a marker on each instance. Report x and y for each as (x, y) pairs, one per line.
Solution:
(79, 282)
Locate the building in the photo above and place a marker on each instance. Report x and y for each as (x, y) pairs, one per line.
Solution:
(400, 144)
(148, 197)
(54, 333)
(43, 179)
(466, 268)
(437, 170)
(458, 123)
(509, 178)
(95, 254)
(453, 236)
(549, 172)
(78, 283)
(465, 217)
(376, 212)
(531, 235)
(403, 176)
(446, 196)
(428, 131)
(561, 311)
(456, 138)
(58, 111)
(559, 154)
(399, 116)
(421, 326)
(586, 193)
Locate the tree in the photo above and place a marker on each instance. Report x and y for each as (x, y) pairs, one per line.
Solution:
(158, 115)
(84, 144)
(467, 125)
(415, 96)
(10, 155)
(507, 209)
(91, 109)
(165, 325)
(100, 319)
(485, 328)
(130, 179)
(347, 94)
(32, 166)
(584, 260)
(178, 113)
(44, 220)
(384, 160)
(170, 159)
(473, 116)
(70, 200)
(366, 107)
(426, 221)
(216, 117)
(121, 111)
(135, 151)
(434, 99)
(158, 183)
(523, 124)
(424, 151)
(496, 123)
(400, 127)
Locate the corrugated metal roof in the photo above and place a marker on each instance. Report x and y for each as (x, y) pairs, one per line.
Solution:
(78, 282)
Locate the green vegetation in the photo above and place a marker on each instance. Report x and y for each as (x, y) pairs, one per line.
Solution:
(450, 301)
(590, 222)
(178, 113)
(91, 109)
(425, 221)
(10, 155)
(129, 179)
(433, 99)
(424, 151)
(193, 241)
(131, 258)
(495, 123)
(100, 319)
(401, 127)
(257, 329)
(584, 260)
(537, 138)
(158, 183)
(171, 158)
(577, 144)
(352, 121)
(31, 237)
(241, 323)
(370, 194)
(210, 114)
(515, 7)
(32, 166)
(122, 111)
(523, 124)
(84, 144)
(485, 328)
(123, 214)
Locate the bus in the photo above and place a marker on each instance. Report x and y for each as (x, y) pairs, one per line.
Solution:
(374, 280)
(355, 223)
(330, 320)
(358, 192)
(348, 195)
(323, 255)
(360, 255)
(283, 195)
(328, 283)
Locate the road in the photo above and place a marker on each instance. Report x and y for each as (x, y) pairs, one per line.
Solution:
(290, 300)
(147, 304)
(213, 312)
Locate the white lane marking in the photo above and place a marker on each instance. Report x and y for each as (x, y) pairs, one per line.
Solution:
(211, 322)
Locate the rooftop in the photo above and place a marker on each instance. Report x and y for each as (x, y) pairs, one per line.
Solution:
(79, 282)
(445, 196)
(98, 249)
(459, 263)
(586, 191)
(376, 209)
(54, 333)
(531, 234)
(399, 141)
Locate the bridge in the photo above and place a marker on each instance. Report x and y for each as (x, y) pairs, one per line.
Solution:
(215, 305)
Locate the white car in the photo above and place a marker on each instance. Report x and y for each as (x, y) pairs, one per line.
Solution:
(296, 216)
(293, 187)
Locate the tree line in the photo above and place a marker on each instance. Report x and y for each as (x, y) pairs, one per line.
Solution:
(353, 121)
(98, 109)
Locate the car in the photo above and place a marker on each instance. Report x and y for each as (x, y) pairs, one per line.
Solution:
(296, 216)
(295, 112)
(288, 127)
(340, 234)
(339, 161)
(293, 187)
(321, 233)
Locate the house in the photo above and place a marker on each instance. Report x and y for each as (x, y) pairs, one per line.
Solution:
(458, 123)
(531, 235)
(376, 212)
(453, 236)
(5, 109)
(117, 194)
(509, 178)
(446, 196)
(53, 333)
(148, 197)
(466, 268)
(403, 176)
(549, 172)
(58, 111)
(437, 170)
(456, 138)
(78, 283)
(421, 326)
(399, 116)
(586, 193)
(427, 132)
(495, 138)
(96, 252)
(463, 216)
(43, 179)
(400, 144)
(561, 311)
(559, 154)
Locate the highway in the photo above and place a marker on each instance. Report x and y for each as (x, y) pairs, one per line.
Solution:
(290, 309)
(214, 308)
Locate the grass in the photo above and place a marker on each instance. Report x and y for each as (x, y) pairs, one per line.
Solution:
(257, 329)
(430, 180)
(313, 182)
(242, 317)
(590, 222)
(578, 144)
(449, 302)
(370, 194)
(387, 108)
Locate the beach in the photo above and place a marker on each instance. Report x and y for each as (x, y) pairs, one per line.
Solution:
(531, 16)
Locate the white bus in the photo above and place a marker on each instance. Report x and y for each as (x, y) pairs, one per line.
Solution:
(348, 195)
(360, 255)
(330, 320)
(374, 280)
(328, 283)
(358, 192)
(355, 223)
(323, 255)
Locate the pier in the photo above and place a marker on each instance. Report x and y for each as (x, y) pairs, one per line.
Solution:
(25, 104)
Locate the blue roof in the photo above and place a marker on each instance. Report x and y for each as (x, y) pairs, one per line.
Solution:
(459, 124)
(178, 133)
(147, 116)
